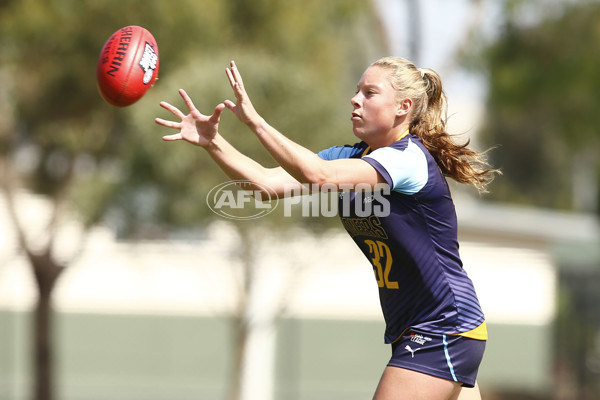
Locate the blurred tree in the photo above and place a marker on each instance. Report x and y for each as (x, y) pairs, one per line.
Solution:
(58, 139)
(542, 104)
(543, 71)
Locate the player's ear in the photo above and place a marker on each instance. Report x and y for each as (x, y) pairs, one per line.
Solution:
(404, 107)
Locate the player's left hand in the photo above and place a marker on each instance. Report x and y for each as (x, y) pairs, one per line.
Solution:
(243, 110)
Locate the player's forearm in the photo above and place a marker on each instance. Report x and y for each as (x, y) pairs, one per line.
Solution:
(304, 165)
(238, 166)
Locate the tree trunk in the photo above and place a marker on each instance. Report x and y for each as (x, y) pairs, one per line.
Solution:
(42, 336)
(46, 273)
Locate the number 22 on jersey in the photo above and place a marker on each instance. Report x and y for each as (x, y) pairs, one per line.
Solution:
(381, 257)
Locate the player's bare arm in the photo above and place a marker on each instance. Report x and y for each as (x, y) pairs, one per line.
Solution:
(203, 130)
(304, 165)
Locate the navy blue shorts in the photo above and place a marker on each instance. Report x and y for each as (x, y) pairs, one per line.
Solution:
(451, 357)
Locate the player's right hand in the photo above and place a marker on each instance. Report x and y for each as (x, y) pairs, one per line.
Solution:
(195, 127)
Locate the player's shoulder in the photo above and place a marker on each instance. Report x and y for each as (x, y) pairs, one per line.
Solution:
(409, 141)
(345, 151)
(413, 151)
(408, 151)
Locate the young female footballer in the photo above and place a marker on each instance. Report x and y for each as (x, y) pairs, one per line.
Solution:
(434, 323)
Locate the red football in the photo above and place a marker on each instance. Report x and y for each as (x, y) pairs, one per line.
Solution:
(128, 65)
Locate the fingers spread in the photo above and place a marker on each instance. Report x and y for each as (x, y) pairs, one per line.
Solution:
(229, 104)
(216, 116)
(230, 77)
(188, 101)
(174, 110)
(170, 138)
(235, 79)
(168, 124)
(236, 74)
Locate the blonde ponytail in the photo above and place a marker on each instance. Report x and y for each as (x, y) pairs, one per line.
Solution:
(428, 121)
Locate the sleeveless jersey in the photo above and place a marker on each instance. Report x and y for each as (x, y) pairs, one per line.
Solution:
(413, 246)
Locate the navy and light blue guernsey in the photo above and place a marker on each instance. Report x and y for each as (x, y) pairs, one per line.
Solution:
(414, 249)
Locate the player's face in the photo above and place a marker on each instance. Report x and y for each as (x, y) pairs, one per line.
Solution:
(375, 107)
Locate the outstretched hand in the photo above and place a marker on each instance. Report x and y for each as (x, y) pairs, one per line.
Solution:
(243, 110)
(200, 129)
(195, 127)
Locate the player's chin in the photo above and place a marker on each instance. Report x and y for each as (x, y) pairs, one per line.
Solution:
(360, 132)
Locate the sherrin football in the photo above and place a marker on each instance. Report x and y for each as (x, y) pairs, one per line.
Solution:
(128, 65)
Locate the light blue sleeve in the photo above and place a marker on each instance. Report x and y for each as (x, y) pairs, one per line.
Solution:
(407, 168)
(337, 152)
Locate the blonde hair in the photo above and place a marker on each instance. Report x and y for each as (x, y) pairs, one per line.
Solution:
(428, 121)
